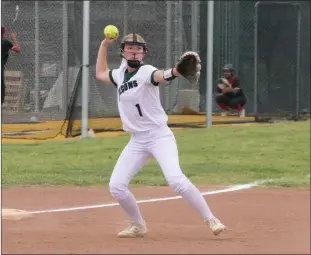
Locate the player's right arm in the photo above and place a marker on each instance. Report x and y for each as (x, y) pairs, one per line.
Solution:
(16, 48)
(102, 70)
(14, 45)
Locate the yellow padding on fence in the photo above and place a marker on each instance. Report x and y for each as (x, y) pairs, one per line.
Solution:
(51, 129)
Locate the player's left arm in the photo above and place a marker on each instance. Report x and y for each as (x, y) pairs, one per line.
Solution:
(164, 76)
(188, 66)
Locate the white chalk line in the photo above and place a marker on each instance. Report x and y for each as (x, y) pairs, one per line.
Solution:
(229, 189)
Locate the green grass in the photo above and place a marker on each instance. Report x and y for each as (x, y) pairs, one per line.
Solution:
(221, 155)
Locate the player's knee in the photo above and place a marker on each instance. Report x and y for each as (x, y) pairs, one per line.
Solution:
(118, 190)
(179, 184)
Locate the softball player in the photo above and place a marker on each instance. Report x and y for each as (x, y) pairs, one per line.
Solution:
(143, 117)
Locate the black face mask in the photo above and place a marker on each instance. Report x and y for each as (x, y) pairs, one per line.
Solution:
(134, 63)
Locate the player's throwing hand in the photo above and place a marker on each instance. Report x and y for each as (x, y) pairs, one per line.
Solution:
(108, 41)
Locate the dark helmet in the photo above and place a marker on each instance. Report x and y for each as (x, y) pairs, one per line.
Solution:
(228, 67)
(134, 39)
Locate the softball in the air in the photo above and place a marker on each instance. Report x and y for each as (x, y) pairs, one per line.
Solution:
(111, 32)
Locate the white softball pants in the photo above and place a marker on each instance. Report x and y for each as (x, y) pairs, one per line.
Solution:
(161, 144)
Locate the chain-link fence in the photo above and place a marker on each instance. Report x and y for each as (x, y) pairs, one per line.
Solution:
(40, 29)
(278, 66)
(277, 54)
(50, 34)
(167, 31)
(39, 81)
(277, 58)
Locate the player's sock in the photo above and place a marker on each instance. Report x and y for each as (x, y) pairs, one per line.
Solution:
(223, 106)
(130, 206)
(193, 196)
(239, 107)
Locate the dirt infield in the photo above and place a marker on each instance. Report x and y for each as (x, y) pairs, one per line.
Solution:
(260, 220)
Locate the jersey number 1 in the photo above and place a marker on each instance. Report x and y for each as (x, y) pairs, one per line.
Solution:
(139, 110)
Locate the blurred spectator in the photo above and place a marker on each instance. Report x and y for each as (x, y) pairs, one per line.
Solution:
(6, 46)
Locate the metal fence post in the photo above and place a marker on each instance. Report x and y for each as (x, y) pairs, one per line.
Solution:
(194, 25)
(181, 27)
(255, 57)
(168, 63)
(209, 66)
(298, 62)
(37, 64)
(65, 58)
(194, 29)
(85, 68)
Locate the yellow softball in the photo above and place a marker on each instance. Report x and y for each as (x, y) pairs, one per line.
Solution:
(111, 32)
